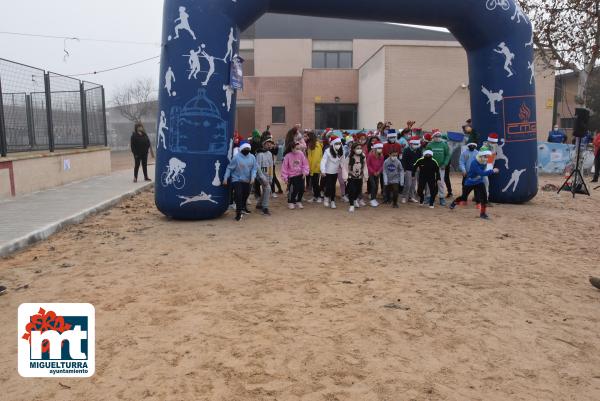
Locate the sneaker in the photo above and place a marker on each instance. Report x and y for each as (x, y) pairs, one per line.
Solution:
(403, 200)
(413, 200)
(395, 206)
(246, 211)
(274, 195)
(374, 203)
(147, 179)
(291, 206)
(351, 209)
(232, 207)
(238, 217)
(442, 202)
(345, 199)
(320, 200)
(452, 206)
(333, 206)
(431, 206)
(356, 204)
(484, 216)
(3, 289)
(326, 202)
(421, 203)
(299, 205)
(449, 195)
(362, 203)
(135, 180)
(266, 212)
(311, 200)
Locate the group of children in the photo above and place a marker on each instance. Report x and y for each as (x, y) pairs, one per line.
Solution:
(409, 168)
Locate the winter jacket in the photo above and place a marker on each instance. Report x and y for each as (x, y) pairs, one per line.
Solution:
(266, 165)
(466, 158)
(410, 157)
(314, 158)
(241, 168)
(597, 144)
(330, 164)
(441, 152)
(294, 164)
(354, 167)
(393, 173)
(140, 144)
(375, 163)
(428, 169)
(476, 173)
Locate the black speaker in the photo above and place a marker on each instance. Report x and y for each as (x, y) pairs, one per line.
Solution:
(582, 118)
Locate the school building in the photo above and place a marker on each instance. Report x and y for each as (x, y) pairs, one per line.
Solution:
(325, 72)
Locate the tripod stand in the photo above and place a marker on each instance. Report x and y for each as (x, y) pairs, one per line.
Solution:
(576, 175)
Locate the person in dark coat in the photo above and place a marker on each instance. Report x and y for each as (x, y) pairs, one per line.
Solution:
(140, 145)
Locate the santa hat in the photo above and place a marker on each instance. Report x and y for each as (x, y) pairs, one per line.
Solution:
(428, 152)
(436, 132)
(493, 138)
(472, 144)
(427, 137)
(333, 139)
(392, 133)
(483, 153)
(378, 145)
(245, 145)
(415, 140)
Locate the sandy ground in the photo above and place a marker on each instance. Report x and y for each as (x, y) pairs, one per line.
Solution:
(293, 307)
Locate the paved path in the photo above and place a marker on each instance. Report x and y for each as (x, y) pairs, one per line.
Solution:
(33, 217)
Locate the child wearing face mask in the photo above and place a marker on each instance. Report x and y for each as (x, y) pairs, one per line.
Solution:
(294, 170)
(242, 169)
(475, 182)
(393, 176)
(410, 155)
(354, 175)
(429, 175)
(375, 167)
(330, 166)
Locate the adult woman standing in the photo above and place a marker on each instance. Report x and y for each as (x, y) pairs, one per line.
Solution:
(140, 145)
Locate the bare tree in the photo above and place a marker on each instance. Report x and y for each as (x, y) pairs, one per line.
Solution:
(567, 35)
(134, 101)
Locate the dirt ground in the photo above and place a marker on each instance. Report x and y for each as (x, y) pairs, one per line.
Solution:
(386, 304)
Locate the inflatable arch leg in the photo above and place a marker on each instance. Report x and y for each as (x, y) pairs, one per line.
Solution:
(197, 103)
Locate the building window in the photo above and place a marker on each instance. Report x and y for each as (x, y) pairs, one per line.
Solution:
(278, 115)
(323, 59)
(567, 123)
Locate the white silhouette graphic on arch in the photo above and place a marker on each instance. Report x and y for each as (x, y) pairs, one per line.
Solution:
(530, 43)
(217, 180)
(228, 94)
(500, 153)
(531, 67)
(493, 97)
(174, 174)
(508, 57)
(518, 15)
(514, 180)
(162, 126)
(203, 197)
(184, 23)
(169, 80)
(194, 63)
(230, 42)
(230, 151)
(492, 4)
(211, 64)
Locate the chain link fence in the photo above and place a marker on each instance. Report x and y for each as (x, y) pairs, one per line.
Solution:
(42, 110)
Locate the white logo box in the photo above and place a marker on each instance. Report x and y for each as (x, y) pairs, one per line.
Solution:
(80, 365)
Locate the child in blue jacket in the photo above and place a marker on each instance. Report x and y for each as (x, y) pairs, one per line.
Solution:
(474, 182)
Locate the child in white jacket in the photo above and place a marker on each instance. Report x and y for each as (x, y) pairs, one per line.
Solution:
(330, 166)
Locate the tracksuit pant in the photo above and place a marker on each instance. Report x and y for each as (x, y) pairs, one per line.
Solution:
(296, 189)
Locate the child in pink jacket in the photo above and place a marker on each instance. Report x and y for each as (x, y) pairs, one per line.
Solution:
(293, 172)
(375, 167)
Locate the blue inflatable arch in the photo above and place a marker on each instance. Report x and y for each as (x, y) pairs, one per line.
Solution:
(197, 101)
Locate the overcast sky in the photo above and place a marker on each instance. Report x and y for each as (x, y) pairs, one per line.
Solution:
(118, 20)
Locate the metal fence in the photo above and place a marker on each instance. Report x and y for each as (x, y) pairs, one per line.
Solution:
(42, 110)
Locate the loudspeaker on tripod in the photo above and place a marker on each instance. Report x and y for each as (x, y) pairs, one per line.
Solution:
(582, 118)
